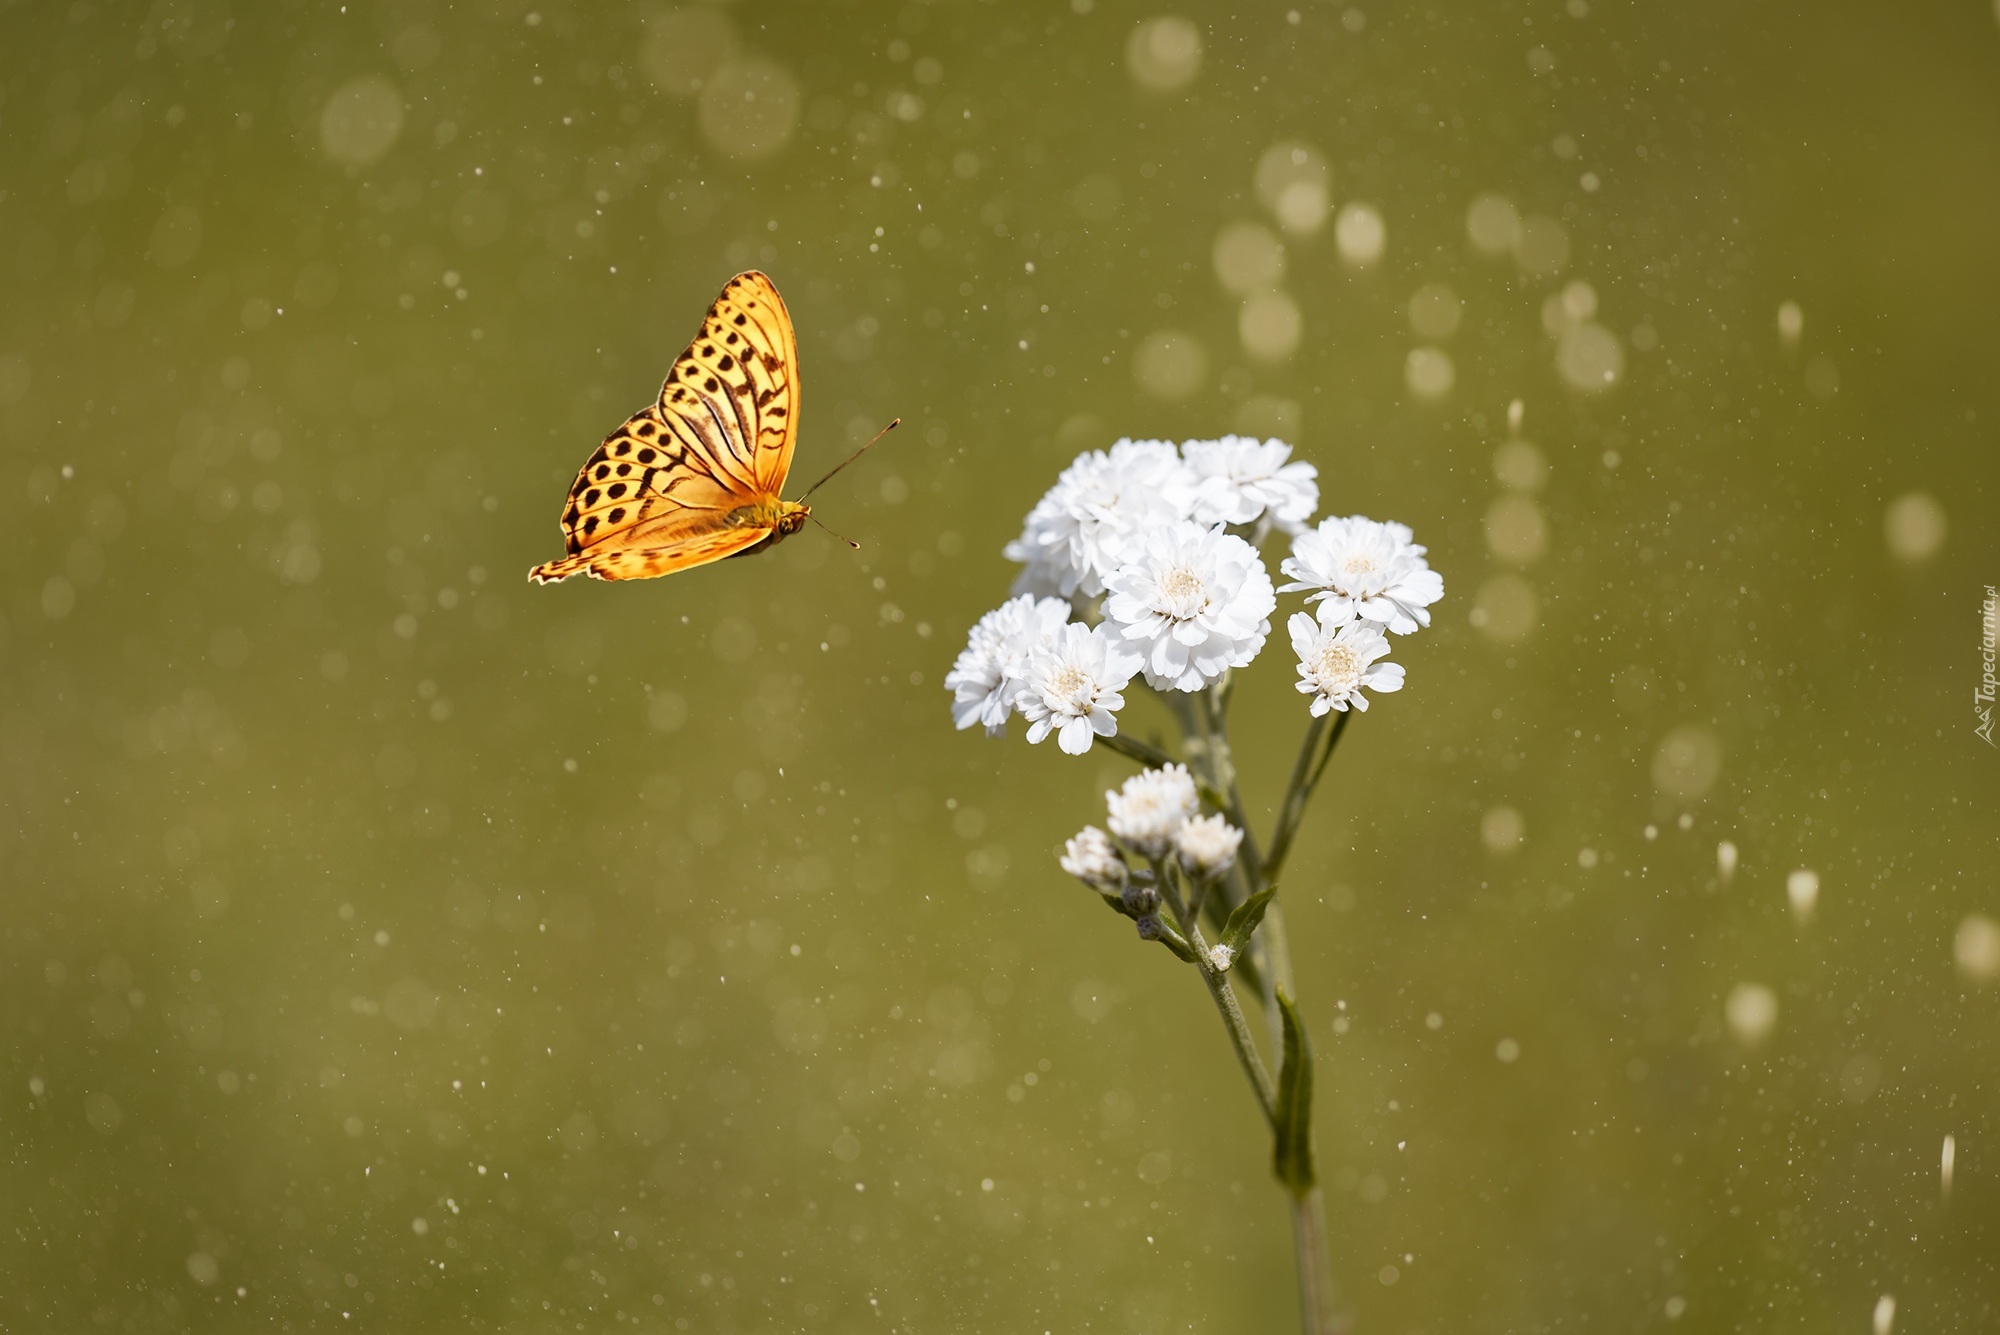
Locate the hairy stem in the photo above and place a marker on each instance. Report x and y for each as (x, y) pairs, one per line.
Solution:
(1223, 770)
(1204, 725)
(1224, 995)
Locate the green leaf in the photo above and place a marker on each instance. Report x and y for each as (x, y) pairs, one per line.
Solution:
(1243, 922)
(1291, 1127)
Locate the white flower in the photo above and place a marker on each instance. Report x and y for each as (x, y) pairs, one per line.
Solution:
(1092, 858)
(1207, 846)
(1151, 808)
(1196, 600)
(1073, 686)
(1335, 662)
(1362, 569)
(1237, 480)
(1083, 527)
(1221, 955)
(992, 669)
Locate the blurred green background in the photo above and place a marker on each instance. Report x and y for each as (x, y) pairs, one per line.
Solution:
(393, 945)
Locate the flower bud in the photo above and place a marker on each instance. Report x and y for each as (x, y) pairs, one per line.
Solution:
(1140, 899)
(1207, 846)
(1092, 858)
(1150, 927)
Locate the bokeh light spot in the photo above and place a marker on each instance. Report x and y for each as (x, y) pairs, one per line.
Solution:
(361, 121)
(1914, 526)
(1164, 53)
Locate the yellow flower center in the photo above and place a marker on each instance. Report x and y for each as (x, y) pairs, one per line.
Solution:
(1338, 668)
(1070, 683)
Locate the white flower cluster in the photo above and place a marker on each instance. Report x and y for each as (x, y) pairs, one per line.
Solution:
(1149, 811)
(1368, 578)
(1028, 657)
(1156, 814)
(1157, 546)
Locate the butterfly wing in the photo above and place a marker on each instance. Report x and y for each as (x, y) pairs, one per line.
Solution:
(695, 477)
(734, 394)
(629, 562)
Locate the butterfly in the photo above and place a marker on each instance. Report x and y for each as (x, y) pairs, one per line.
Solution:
(694, 477)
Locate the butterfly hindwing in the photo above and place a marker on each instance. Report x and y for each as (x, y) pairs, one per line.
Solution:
(668, 489)
(630, 562)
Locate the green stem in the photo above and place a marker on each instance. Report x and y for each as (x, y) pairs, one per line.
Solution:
(1269, 948)
(1306, 771)
(1271, 957)
(1294, 804)
(1152, 757)
(1309, 1247)
(1223, 771)
(1331, 742)
(1225, 997)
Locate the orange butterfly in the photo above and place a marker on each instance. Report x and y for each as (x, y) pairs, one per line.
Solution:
(695, 476)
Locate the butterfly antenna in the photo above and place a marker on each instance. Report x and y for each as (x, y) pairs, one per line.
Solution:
(848, 460)
(849, 541)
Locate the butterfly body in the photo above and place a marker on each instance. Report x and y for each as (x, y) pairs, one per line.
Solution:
(694, 477)
(781, 521)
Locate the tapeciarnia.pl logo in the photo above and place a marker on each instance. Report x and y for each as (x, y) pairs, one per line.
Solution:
(1982, 695)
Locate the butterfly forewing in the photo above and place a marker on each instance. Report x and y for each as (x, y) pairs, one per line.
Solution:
(669, 489)
(738, 384)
